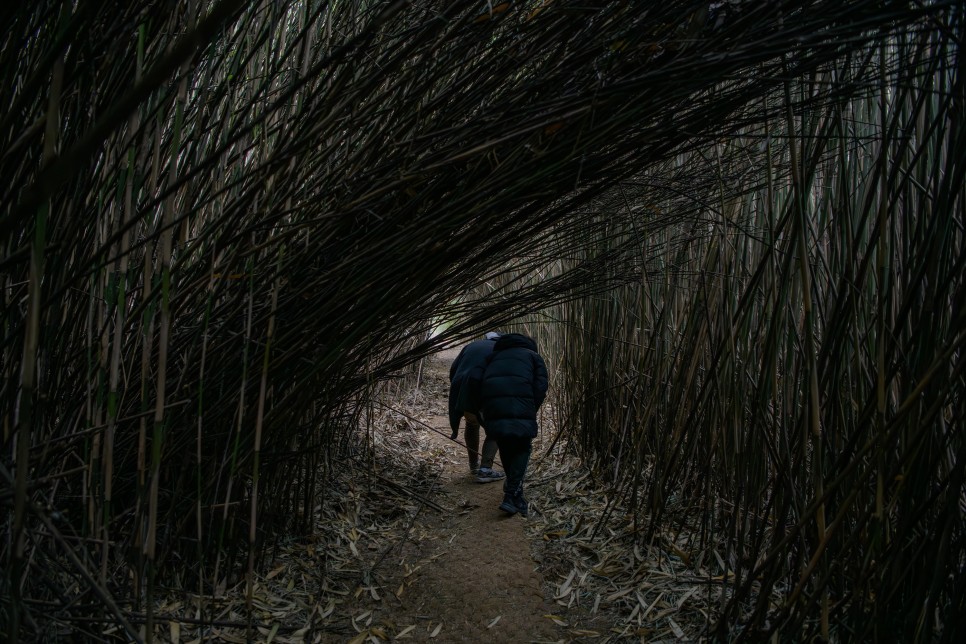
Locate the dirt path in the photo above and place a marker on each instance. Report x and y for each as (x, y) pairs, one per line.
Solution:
(482, 585)
(408, 547)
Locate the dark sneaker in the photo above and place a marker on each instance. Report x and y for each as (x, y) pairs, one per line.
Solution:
(488, 475)
(508, 505)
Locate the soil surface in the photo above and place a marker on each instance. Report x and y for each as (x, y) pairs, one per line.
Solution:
(408, 546)
(483, 585)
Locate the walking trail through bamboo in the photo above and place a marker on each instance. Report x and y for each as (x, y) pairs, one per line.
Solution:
(482, 584)
(419, 551)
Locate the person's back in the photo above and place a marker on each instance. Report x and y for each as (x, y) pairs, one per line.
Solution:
(465, 376)
(513, 388)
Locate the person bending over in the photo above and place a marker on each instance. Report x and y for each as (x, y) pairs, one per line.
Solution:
(465, 375)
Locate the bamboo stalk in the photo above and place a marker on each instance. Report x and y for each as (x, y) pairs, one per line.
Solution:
(813, 415)
(28, 407)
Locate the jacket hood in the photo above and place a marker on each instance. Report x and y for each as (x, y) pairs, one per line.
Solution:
(515, 340)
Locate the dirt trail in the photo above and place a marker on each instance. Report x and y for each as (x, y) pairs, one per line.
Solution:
(408, 547)
(482, 585)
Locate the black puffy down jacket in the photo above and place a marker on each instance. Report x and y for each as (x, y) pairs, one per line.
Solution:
(514, 386)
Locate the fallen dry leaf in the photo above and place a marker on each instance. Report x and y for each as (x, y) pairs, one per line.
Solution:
(405, 632)
(556, 620)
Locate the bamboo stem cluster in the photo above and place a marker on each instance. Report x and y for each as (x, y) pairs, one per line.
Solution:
(784, 382)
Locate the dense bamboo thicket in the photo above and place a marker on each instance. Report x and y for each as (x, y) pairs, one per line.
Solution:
(785, 382)
(224, 223)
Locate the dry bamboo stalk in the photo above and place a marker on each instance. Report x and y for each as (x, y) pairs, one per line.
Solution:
(813, 416)
(24, 423)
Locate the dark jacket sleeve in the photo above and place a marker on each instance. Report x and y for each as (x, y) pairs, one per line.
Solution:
(454, 413)
(539, 380)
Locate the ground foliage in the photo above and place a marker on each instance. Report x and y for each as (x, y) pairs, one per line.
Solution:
(607, 582)
(342, 580)
(224, 223)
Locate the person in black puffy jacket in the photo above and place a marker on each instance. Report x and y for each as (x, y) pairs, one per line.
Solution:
(465, 375)
(513, 388)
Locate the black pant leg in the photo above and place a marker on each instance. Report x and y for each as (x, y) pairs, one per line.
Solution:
(515, 455)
